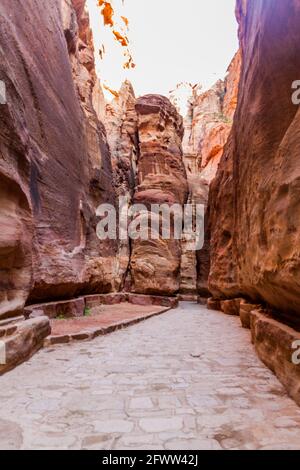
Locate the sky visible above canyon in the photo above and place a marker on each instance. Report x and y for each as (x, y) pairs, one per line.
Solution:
(172, 41)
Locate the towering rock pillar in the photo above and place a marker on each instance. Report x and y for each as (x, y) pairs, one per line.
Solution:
(161, 178)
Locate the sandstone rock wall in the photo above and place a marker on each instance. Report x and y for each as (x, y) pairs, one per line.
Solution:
(54, 160)
(121, 123)
(207, 127)
(145, 137)
(254, 200)
(161, 179)
(101, 270)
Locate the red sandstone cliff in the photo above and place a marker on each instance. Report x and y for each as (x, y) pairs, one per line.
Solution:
(161, 178)
(207, 127)
(121, 122)
(54, 160)
(254, 200)
(145, 138)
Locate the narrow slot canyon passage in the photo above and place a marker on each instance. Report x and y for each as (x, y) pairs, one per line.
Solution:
(150, 224)
(167, 383)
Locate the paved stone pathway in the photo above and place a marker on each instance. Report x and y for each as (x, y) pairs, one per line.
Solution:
(188, 379)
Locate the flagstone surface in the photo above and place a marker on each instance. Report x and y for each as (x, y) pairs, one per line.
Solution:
(188, 379)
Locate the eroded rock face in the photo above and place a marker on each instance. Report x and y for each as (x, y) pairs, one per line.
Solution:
(145, 137)
(155, 264)
(101, 268)
(254, 201)
(121, 122)
(207, 128)
(15, 242)
(54, 160)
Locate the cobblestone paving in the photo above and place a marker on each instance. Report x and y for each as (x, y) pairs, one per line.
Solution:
(188, 379)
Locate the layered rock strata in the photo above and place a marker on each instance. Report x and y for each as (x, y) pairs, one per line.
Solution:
(161, 179)
(55, 164)
(145, 138)
(254, 200)
(121, 122)
(254, 208)
(207, 127)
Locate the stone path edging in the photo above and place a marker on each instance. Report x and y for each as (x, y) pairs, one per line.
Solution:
(92, 333)
(277, 343)
(74, 308)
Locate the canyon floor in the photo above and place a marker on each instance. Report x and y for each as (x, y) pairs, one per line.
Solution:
(188, 379)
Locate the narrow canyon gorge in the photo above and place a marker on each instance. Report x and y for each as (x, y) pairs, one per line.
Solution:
(65, 150)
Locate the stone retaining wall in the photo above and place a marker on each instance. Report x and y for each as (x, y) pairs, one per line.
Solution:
(275, 342)
(77, 307)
